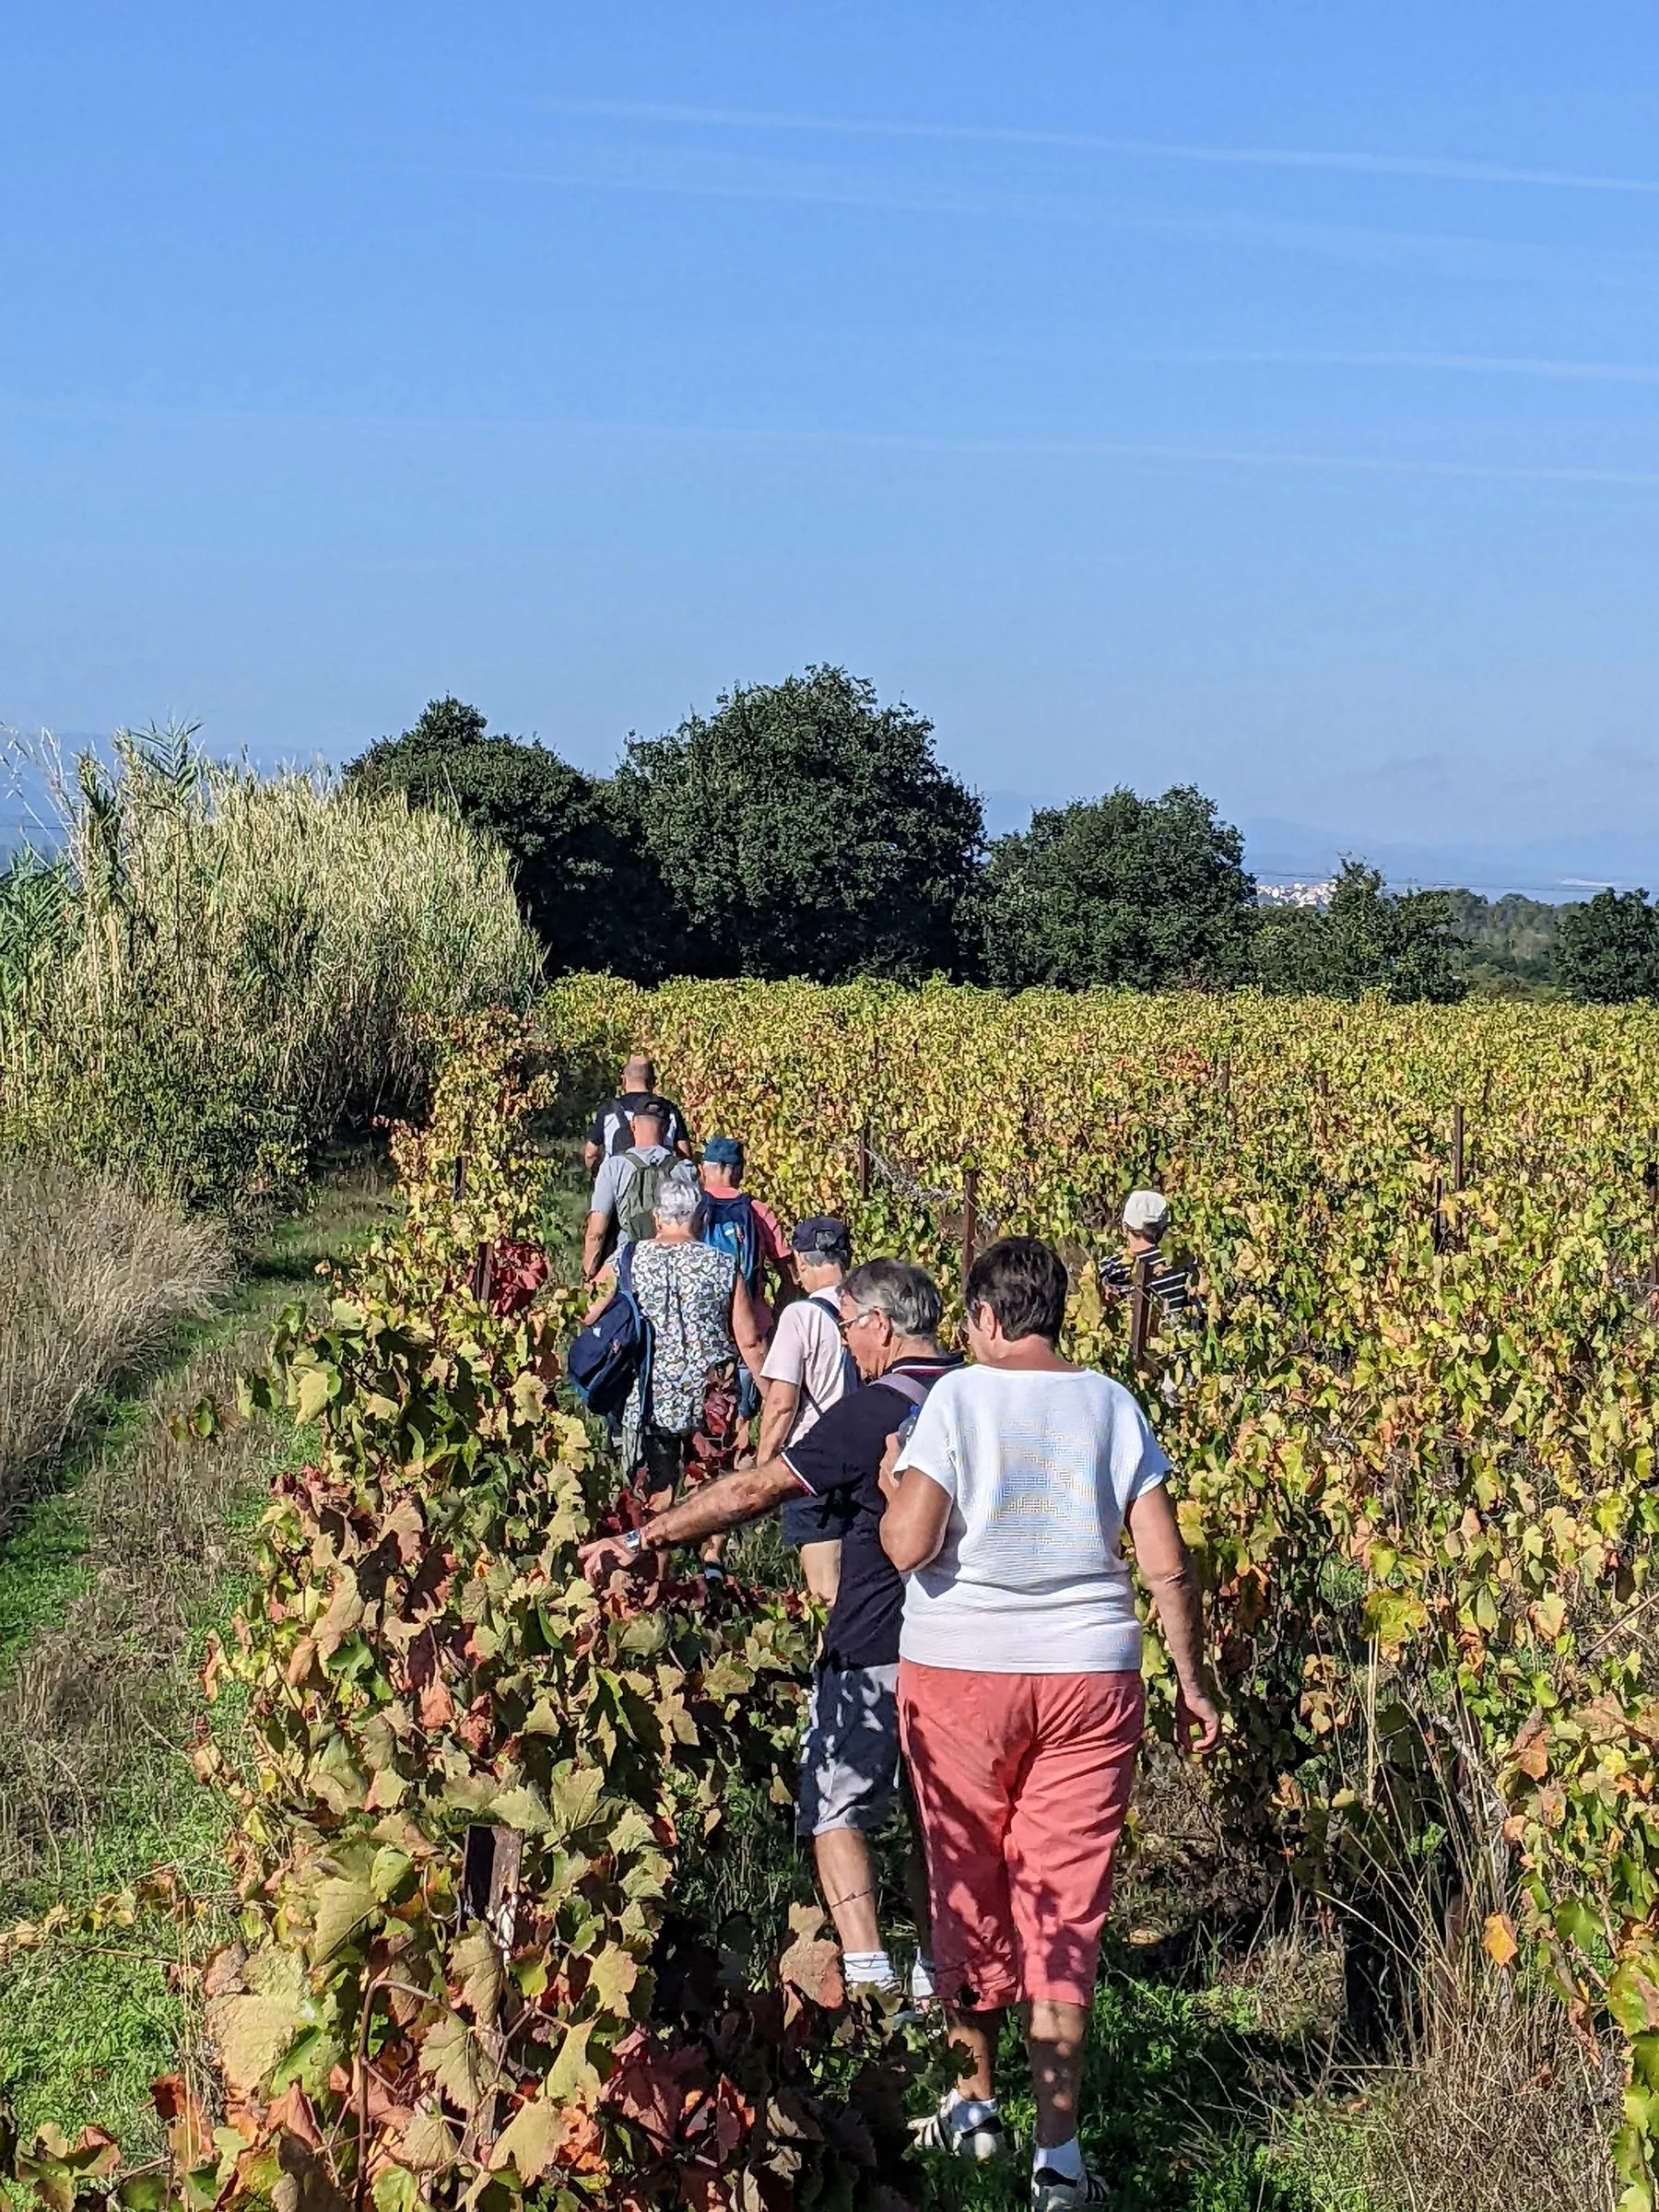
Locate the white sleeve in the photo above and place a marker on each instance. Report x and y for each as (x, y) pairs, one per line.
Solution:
(786, 1360)
(931, 1446)
(1139, 1463)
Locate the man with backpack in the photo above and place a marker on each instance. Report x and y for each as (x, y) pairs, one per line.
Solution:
(733, 1220)
(625, 1188)
(611, 1131)
(808, 1370)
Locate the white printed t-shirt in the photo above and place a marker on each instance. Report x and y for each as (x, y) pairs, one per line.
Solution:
(807, 1351)
(1041, 1468)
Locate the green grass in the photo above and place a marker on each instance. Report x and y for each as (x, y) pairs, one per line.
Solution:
(86, 2024)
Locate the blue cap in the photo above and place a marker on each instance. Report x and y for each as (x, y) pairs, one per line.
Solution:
(723, 1152)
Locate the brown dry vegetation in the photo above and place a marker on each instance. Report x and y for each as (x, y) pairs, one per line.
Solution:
(92, 1279)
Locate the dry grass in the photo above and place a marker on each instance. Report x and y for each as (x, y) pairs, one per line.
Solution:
(1499, 2111)
(161, 1513)
(92, 1279)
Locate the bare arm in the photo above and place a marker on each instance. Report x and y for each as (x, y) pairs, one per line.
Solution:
(728, 1503)
(606, 1286)
(1166, 1568)
(593, 1244)
(746, 1332)
(783, 1403)
(591, 1156)
(912, 1528)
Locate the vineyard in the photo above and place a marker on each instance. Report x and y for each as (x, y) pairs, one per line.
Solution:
(1414, 1420)
(1413, 1424)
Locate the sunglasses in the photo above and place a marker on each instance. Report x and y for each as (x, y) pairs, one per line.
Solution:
(864, 1313)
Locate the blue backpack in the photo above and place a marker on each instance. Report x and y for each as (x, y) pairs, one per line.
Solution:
(612, 1350)
(729, 1225)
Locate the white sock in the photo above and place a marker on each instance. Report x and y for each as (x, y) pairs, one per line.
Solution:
(922, 1980)
(860, 1968)
(1063, 2159)
(972, 2112)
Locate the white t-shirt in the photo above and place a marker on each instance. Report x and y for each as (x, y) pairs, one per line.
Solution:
(1040, 1468)
(806, 1349)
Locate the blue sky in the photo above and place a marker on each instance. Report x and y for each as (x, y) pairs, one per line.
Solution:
(1265, 396)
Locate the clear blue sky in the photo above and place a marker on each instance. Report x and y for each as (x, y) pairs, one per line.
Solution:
(1262, 395)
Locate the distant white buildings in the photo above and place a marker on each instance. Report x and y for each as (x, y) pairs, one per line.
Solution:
(1295, 894)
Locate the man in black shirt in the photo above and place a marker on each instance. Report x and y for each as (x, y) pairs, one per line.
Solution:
(889, 1320)
(611, 1124)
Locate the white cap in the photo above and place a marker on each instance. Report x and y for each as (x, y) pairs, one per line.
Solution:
(1147, 1213)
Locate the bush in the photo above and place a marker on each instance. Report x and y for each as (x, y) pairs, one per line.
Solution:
(224, 971)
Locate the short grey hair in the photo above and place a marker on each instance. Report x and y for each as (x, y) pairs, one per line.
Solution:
(907, 1295)
(677, 1199)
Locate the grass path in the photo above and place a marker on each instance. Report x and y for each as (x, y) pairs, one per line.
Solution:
(108, 1586)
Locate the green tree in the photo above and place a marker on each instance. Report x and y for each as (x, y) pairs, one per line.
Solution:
(1120, 889)
(1367, 939)
(1609, 948)
(592, 898)
(805, 831)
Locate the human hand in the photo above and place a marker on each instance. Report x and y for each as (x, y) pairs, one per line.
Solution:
(1197, 1720)
(606, 1556)
(886, 1479)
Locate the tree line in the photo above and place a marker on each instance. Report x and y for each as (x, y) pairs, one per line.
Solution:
(802, 828)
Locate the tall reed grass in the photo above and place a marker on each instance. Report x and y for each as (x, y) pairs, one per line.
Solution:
(91, 1277)
(221, 972)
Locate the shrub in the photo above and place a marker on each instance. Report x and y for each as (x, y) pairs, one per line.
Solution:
(224, 971)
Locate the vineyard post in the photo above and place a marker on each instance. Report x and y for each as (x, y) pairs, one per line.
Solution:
(1457, 1147)
(458, 1187)
(1440, 1213)
(491, 1859)
(863, 1162)
(483, 1272)
(971, 1176)
(1140, 1312)
(1650, 1178)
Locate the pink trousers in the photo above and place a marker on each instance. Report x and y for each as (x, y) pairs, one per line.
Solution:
(1021, 1783)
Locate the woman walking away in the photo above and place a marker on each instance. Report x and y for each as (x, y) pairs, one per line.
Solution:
(683, 1408)
(1019, 1693)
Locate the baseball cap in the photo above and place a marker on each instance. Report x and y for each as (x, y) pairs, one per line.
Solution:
(1145, 1213)
(723, 1152)
(822, 1237)
(652, 1109)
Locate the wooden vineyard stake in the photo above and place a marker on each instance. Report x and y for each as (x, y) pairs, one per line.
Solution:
(1440, 1213)
(490, 1863)
(864, 1161)
(458, 1187)
(1457, 1147)
(971, 1177)
(1140, 1312)
(1650, 1182)
(483, 1272)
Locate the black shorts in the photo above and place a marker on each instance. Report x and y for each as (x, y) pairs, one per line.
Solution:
(810, 1520)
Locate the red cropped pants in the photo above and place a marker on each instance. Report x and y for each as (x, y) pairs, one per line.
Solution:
(1022, 1784)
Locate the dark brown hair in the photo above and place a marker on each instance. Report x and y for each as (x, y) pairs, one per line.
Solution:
(1023, 1282)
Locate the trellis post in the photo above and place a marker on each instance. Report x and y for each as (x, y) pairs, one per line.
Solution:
(970, 1178)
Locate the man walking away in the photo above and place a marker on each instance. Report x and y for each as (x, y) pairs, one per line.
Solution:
(808, 1370)
(611, 1131)
(890, 1318)
(1019, 1690)
(1146, 1219)
(735, 1221)
(626, 1186)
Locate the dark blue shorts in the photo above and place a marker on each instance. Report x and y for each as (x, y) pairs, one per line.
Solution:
(808, 1520)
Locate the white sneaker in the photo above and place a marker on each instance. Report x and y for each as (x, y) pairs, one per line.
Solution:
(1052, 2192)
(964, 2129)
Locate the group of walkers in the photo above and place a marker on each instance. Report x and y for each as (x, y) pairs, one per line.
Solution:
(964, 1522)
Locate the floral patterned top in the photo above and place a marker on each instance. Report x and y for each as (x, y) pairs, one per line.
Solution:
(685, 1292)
